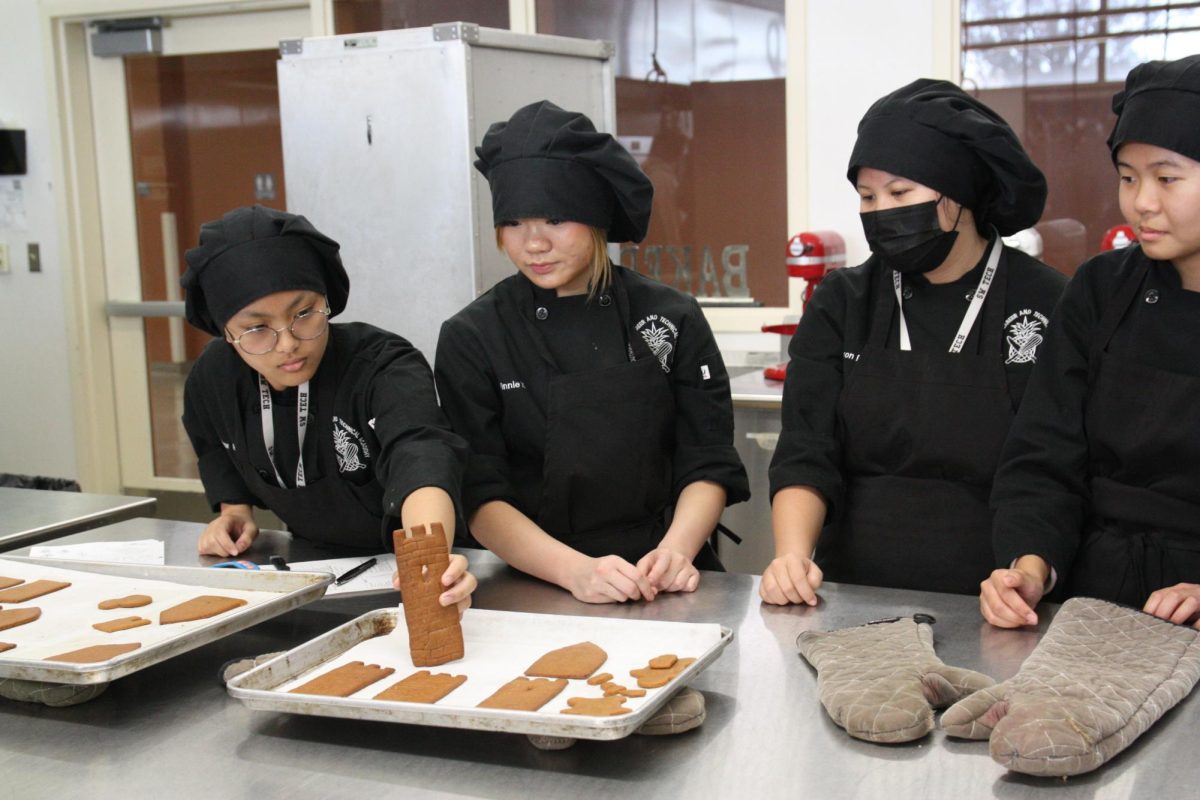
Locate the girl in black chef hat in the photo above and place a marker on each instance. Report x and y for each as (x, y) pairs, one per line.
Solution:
(594, 400)
(906, 371)
(334, 427)
(1099, 493)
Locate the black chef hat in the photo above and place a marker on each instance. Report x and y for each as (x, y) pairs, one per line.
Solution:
(936, 134)
(1160, 105)
(553, 164)
(253, 252)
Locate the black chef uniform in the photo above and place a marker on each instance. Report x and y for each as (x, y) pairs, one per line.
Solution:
(367, 422)
(1101, 476)
(902, 444)
(587, 414)
(593, 442)
(375, 435)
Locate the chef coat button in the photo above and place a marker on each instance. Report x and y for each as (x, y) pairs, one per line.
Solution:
(1152, 296)
(907, 293)
(266, 476)
(541, 312)
(605, 301)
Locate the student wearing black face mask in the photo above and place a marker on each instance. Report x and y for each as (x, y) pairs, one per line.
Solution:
(906, 371)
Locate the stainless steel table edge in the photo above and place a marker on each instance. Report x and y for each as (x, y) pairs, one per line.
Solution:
(137, 506)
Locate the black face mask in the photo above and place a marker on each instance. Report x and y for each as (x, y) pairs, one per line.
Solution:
(908, 239)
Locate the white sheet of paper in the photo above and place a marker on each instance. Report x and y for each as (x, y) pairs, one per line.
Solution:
(144, 551)
(377, 578)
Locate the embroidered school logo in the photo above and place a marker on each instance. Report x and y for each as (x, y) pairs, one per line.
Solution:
(660, 334)
(351, 448)
(1024, 333)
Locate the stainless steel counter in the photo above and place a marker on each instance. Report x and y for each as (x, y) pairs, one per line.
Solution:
(172, 730)
(29, 516)
(753, 390)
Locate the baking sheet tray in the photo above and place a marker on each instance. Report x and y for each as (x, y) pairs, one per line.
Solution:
(72, 611)
(499, 646)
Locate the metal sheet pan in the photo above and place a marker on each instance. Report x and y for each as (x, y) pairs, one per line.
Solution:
(265, 687)
(293, 589)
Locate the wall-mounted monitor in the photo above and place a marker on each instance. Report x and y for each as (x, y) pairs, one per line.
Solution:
(12, 152)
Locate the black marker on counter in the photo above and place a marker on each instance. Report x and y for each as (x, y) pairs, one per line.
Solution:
(354, 573)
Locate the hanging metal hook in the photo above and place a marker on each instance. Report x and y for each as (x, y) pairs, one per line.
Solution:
(656, 73)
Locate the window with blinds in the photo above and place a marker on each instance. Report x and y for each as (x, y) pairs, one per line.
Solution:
(1051, 67)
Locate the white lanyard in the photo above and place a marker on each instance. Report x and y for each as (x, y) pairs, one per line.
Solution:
(268, 428)
(981, 291)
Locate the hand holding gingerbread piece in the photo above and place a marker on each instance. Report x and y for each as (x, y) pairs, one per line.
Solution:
(434, 633)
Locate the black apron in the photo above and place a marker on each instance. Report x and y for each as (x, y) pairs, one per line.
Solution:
(329, 510)
(1140, 421)
(922, 434)
(606, 476)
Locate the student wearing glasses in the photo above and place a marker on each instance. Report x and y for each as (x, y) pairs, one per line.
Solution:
(334, 427)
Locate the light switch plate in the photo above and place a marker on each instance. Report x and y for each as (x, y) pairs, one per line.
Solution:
(35, 257)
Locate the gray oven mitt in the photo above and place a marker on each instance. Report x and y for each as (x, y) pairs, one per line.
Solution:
(1099, 678)
(881, 681)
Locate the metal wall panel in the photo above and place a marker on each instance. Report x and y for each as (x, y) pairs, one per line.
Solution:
(379, 133)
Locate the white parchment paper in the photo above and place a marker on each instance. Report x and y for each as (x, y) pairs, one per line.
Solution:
(501, 645)
(68, 614)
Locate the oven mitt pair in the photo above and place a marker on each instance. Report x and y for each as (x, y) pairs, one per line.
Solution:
(1099, 678)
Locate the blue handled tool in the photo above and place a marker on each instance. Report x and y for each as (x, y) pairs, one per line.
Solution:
(241, 563)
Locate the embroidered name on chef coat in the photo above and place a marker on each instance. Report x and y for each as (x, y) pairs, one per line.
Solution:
(1023, 332)
(508, 386)
(660, 335)
(351, 448)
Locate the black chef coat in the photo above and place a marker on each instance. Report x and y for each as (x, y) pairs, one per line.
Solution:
(374, 426)
(493, 382)
(903, 445)
(1044, 491)
(835, 327)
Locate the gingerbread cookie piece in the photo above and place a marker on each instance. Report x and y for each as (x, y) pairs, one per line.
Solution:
(422, 687)
(345, 680)
(576, 661)
(130, 601)
(525, 694)
(28, 591)
(603, 677)
(202, 607)
(122, 624)
(12, 617)
(6, 646)
(650, 677)
(609, 706)
(663, 662)
(434, 633)
(8, 583)
(95, 653)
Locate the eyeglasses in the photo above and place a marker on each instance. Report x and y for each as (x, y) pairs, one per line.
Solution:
(306, 325)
